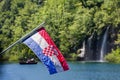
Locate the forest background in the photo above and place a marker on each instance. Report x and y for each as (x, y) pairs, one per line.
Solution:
(68, 22)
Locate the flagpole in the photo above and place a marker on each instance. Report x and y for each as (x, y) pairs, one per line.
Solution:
(23, 38)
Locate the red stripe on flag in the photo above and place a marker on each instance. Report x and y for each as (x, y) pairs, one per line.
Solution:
(46, 36)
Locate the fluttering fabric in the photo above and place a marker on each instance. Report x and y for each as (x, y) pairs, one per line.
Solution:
(45, 49)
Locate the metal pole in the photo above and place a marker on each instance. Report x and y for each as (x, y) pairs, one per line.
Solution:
(23, 38)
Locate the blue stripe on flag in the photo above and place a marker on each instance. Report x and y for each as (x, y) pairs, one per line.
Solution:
(38, 51)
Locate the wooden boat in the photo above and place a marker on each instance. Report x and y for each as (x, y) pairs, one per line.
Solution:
(29, 61)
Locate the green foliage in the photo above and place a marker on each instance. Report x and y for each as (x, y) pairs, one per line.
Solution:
(69, 22)
(114, 56)
(72, 57)
(117, 42)
(13, 58)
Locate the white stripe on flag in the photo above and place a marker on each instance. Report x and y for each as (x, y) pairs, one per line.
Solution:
(57, 63)
(40, 40)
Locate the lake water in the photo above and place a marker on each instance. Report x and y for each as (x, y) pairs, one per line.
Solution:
(78, 71)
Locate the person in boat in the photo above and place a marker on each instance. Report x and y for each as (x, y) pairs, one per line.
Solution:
(30, 60)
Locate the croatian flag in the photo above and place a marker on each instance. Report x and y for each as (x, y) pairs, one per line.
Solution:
(45, 49)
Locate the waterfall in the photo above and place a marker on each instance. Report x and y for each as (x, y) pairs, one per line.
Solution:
(104, 45)
(90, 42)
(82, 54)
(89, 48)
(95, 47)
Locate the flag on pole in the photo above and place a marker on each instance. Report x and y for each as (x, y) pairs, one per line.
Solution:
(45, 49)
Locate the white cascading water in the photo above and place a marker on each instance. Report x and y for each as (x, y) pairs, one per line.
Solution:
(82, 54)
(104, 45)
(90, 43)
